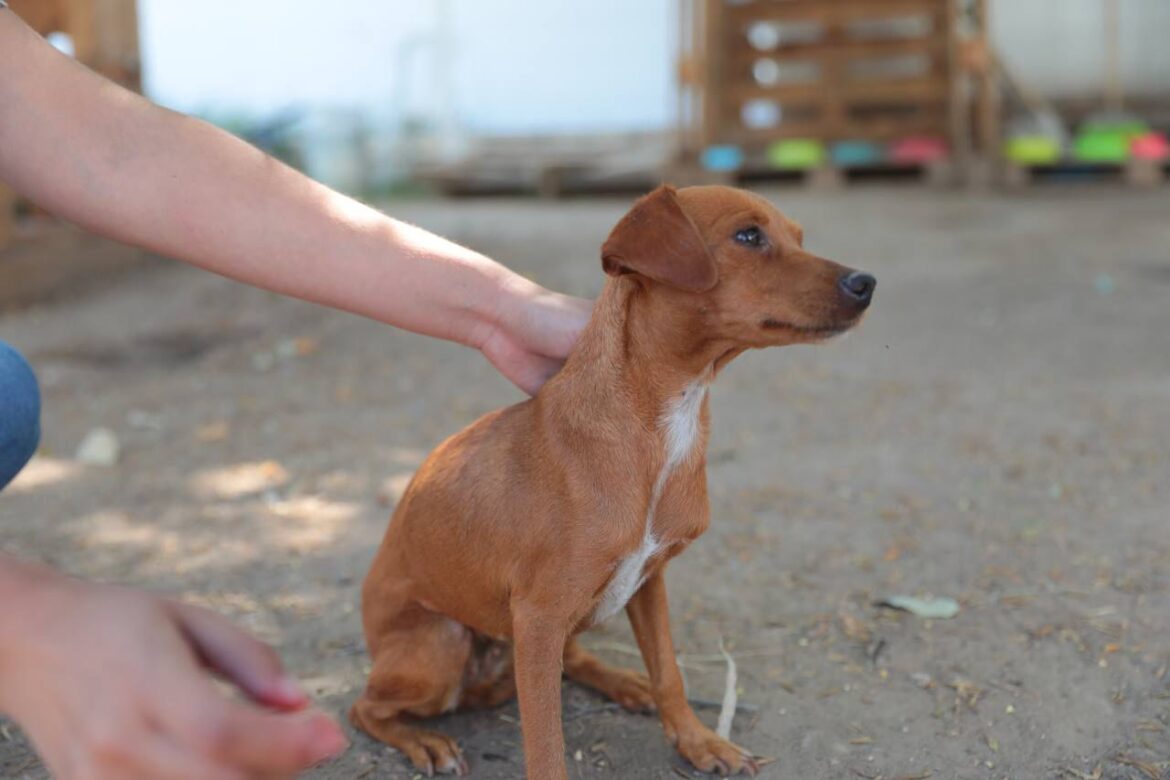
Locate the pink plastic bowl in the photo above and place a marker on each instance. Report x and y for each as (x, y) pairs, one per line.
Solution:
(1150, 146)
(918, 150)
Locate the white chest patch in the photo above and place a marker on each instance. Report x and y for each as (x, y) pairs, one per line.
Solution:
(681, 423)
(680, 426)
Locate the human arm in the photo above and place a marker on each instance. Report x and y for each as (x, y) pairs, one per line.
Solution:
(111, 161)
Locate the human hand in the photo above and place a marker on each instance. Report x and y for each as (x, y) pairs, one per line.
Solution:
(110, 684)
(534, 331)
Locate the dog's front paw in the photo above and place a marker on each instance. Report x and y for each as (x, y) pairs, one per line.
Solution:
(433, 752)
(710, 752)
(632, 690)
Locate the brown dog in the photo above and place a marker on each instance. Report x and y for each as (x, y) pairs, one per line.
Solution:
(552, 515)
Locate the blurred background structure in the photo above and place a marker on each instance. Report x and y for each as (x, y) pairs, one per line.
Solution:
(103, 34)
(932, 85)
(562, 97)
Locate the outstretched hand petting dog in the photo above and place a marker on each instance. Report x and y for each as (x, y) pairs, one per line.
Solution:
(110, 683)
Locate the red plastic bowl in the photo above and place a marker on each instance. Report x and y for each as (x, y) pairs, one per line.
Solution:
(919, 149)
(1150, 146)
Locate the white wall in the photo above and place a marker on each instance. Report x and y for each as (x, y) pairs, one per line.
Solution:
(1058, 46)
(519, 65)
(524, 66)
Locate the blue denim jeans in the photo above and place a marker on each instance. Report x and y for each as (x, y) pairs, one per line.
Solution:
(20, 413)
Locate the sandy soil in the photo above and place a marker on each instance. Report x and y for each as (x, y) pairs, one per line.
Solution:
(996, 432)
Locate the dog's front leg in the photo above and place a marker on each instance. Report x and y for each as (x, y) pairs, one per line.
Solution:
(650, 617)
(539, 647)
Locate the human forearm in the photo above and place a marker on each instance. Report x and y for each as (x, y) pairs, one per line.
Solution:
(112, 162)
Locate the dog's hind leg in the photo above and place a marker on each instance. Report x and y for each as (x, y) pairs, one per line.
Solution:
(489, 678)
(627, 687)
(418, 669)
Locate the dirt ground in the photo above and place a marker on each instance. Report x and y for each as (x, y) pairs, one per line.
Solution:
(998, 431)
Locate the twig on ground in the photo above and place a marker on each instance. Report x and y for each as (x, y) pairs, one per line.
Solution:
(1145, 767)
(730, 696)
(708, 704)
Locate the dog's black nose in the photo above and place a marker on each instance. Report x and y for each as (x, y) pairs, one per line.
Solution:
(858, 286)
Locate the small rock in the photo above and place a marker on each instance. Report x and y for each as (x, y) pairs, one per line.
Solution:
(212, 431)
(286, 349)
(922, 679)
(144, 421)
(263, 361)
(100, 447)
(1103, 284)
(931, 608)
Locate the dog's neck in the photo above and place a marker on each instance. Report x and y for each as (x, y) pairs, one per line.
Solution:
(640, 353)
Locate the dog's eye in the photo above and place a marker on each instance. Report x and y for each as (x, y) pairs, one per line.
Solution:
(750, 236)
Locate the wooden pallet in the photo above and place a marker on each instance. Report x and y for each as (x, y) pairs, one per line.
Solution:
(824, 177)
(1134, 173)
(105, 38)
(870, 70)
(104, 32)
(552, 166)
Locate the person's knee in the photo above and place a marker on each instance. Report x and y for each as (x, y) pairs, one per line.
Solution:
(20, 413)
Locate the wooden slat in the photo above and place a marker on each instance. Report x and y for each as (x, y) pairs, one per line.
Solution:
(851, 119)
(845, 50)
(7, 214)
(878, 129)
(115, 32)
(104, 32)
(44, 16)
(713, 74)
(829, 12)
(858, 92)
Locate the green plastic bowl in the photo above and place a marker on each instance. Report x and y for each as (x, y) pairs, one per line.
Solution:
(1130, 128)
(796, 154)
(1032, 150)
(1102, 146)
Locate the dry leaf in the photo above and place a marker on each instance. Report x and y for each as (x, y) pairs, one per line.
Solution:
(967, 692)
(854, 628)
(212, 431)
(306, 346)
(1145, 767)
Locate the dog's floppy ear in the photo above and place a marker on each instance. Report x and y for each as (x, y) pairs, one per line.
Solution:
(658, 240)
